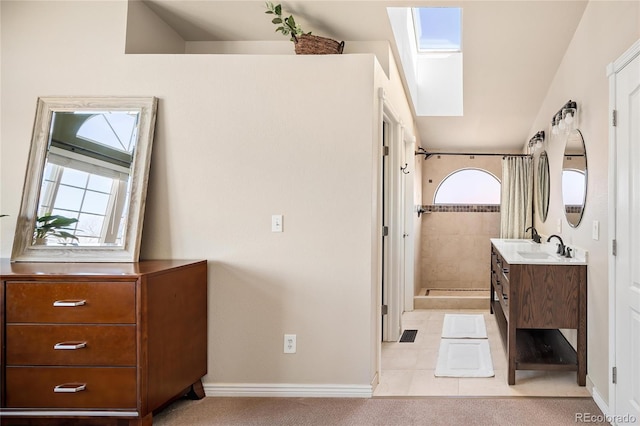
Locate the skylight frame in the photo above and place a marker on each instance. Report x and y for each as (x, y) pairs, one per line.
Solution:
(417, 26)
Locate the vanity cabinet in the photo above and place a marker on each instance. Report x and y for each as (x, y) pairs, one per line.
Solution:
(531, 303)
(100, 343)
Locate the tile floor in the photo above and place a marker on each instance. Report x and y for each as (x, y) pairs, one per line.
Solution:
(407, 368)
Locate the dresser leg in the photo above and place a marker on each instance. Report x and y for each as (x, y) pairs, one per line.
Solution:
(145, 421)
(196, 391)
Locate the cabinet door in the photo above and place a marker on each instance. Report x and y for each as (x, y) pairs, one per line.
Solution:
(547, 296)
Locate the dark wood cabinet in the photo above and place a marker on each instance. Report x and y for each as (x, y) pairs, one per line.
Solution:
(100, 343)
(531, 303)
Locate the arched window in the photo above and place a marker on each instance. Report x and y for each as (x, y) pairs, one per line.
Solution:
(468, 186)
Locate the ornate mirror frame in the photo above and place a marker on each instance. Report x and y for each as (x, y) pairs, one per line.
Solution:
(24, 248)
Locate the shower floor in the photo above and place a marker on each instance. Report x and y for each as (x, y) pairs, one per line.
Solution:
(451, 299)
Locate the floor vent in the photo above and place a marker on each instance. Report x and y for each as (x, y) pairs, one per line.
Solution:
(408, 336)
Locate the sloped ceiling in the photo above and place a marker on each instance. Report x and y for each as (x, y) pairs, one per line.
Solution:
(512, 50)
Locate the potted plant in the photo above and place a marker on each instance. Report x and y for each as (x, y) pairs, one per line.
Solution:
(49, 225)
(305, 43)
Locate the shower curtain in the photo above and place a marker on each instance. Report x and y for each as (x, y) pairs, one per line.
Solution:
(516, 202)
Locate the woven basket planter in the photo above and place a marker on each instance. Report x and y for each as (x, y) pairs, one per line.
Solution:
(307, 44)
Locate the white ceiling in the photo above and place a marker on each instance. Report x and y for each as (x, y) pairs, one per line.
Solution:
(512, 50)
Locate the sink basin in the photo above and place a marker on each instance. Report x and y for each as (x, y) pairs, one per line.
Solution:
(534, 255)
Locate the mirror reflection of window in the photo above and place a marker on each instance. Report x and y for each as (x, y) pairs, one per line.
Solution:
(573, 187)
(574, 177)
(87, 182)
(96, 201)
(114, 129)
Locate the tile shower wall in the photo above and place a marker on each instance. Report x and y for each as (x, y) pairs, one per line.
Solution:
(455, 239)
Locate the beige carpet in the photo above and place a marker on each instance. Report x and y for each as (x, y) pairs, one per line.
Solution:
(379, 411)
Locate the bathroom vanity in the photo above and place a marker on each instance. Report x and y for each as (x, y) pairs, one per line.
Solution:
(100, 342)
(534, 294)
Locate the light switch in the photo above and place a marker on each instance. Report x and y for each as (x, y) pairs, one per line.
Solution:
(276, 223)
(595, 230)
(559, 226)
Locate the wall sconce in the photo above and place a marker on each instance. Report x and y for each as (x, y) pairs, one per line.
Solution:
(536, 141)
(565, 119)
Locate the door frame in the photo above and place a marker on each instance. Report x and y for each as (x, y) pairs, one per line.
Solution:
(612, 70)
(408, 182)
(392, 255)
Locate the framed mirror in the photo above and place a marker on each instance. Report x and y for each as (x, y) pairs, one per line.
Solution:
(543, 186)
(574, 178)
(86, 181)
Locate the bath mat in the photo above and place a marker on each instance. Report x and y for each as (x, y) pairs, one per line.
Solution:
(408, 336)
(464, 358)
(460, 326)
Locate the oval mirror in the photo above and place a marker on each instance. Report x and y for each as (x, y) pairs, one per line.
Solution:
(543, 186)
(574, 178)
(86, 181)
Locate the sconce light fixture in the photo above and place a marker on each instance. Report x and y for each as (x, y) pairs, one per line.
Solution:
(536, 141)
(565, 119)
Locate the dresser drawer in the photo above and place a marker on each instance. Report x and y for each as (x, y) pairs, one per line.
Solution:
(66, 302)
(28, 387)
(106, 345)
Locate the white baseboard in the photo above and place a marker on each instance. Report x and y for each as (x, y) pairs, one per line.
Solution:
(597, 398)
(287, 390)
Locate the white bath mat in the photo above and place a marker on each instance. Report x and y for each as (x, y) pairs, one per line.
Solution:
(464, 358)
(460, 326)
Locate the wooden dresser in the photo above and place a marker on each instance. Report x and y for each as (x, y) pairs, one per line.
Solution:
(100, 343)
(531, 303)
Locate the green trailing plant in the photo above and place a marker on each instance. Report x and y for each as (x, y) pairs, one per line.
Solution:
(57, 226)
(287, 26)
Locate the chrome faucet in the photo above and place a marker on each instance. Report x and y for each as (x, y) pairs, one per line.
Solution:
(561, 246)
(534, 234)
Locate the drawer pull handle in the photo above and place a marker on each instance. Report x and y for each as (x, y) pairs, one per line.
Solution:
(70, 388)
(69, 303)
(70, 345)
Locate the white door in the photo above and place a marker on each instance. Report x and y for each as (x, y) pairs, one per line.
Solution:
(392, 223)
(627, 235)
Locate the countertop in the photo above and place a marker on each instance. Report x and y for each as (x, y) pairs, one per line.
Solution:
(522, 251)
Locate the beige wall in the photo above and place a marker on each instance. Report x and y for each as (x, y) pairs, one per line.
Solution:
(607, 29)
(455, 251)
(238, 138)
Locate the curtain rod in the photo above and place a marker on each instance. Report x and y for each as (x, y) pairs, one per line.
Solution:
(426, 154)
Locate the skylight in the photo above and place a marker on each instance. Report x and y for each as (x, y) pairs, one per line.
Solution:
(430, 52)
(438, 29)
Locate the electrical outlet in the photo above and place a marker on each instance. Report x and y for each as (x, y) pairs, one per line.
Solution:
(289, 343)
(595, 231)
(276, 223)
